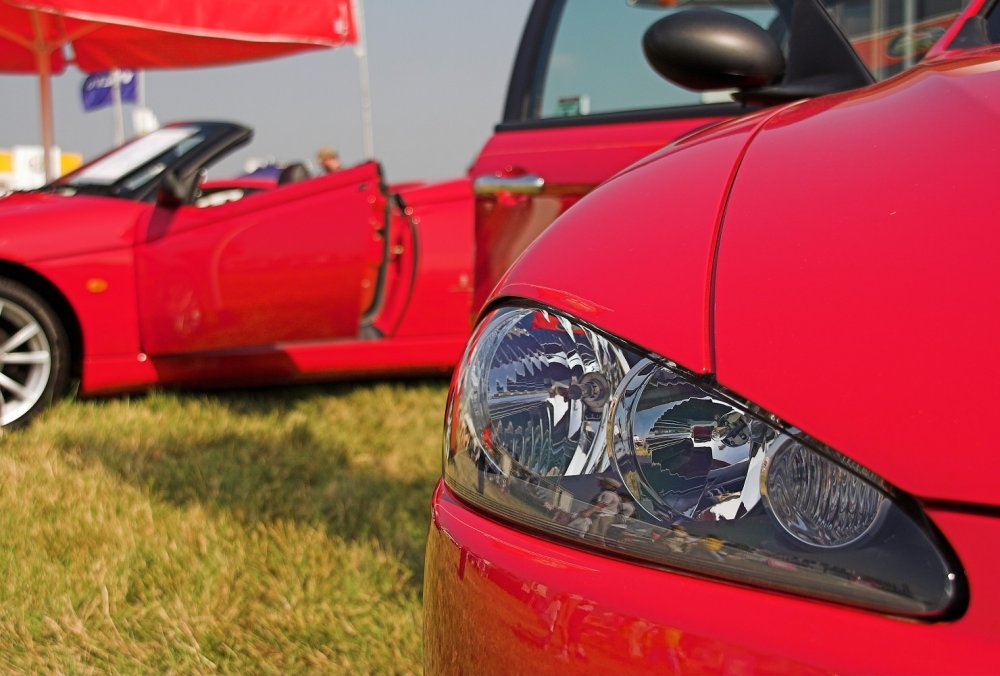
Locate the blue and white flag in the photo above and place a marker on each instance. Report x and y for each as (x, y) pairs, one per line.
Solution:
(96, 91)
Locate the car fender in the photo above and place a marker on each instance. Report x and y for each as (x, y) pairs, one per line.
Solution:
(653, 226)
(43, 226)
(82, 247)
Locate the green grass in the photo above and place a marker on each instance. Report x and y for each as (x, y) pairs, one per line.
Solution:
(262, 531)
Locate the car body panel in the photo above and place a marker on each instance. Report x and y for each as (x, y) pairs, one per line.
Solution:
(100, 287)
(40, 226)
(441, 214)
(314, 362)
(120, 374)
(277, 266)
(598, 273)
(572, 160)
(509, 602)
(323, 278)
(884, 271)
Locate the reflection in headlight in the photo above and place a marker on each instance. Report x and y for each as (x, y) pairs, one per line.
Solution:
(556, 426)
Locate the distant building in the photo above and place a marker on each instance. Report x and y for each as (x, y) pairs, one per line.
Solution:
(22, 167)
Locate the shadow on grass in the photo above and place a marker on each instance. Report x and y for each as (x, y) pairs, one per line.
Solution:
(357, 459)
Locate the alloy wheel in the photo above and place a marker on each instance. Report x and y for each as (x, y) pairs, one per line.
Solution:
(25, 361)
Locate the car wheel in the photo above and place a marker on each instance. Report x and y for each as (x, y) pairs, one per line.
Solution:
(34, 354)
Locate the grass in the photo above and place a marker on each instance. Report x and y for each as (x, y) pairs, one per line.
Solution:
(263, 531)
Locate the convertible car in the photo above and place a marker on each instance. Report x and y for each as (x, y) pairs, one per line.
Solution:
(706, 421)
(134, 271)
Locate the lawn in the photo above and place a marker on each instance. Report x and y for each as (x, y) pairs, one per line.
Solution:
(256, 531)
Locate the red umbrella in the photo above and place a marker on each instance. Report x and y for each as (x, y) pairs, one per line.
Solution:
(43, 35)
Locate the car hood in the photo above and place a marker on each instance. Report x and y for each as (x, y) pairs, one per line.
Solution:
(831, 261)
(36, 226)
(857, 279)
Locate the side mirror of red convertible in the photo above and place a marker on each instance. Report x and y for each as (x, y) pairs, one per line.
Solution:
(705, 49)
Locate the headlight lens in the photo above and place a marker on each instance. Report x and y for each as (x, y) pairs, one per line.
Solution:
(560, 428)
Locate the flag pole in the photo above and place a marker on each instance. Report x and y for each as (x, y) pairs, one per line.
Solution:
(361, 53)
(116, 102)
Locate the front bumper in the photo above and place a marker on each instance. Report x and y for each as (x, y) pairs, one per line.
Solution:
(498, 600)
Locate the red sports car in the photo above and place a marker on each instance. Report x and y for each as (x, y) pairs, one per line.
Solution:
(700, 427)
(132, 272)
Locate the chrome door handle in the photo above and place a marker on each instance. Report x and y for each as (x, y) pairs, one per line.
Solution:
(528, 184)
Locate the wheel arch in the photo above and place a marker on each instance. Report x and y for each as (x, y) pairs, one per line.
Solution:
(51, 294)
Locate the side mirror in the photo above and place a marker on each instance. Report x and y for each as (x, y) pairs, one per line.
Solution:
(175, 191)
(705, 49)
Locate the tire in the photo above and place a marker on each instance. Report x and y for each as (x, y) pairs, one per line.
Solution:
(34, 354)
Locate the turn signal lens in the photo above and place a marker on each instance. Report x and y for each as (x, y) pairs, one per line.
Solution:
(560, 428)
(816, 501)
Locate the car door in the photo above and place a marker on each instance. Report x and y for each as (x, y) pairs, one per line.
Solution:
(582, 104)
(291, 264)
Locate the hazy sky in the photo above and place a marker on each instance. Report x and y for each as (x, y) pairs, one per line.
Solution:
(439, 72)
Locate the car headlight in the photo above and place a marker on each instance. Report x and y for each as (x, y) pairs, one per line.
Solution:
(560, 428)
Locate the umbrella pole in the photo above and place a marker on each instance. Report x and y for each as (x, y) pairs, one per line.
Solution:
(45, 96)
(43, 65)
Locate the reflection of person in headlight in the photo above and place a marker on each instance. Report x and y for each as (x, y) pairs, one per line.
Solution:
(606, 507)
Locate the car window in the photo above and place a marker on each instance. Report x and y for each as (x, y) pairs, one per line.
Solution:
(169, 142)
(596, 65)
(893, 35)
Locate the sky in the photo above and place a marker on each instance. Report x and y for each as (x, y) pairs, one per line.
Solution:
(438, 68)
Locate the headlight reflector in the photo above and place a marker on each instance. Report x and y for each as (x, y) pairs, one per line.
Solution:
(560, 428)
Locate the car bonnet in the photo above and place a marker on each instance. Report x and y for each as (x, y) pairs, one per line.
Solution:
(38, 226)
(856, 283)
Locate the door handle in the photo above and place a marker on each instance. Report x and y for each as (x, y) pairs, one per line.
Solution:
(527, 184)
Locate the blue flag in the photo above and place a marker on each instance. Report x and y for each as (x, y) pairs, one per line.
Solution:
(96, 91)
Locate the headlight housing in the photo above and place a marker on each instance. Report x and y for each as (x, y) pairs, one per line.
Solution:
(560, 428)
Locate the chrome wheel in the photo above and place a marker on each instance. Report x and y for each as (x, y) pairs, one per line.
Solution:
(35, 352)
(25, 361)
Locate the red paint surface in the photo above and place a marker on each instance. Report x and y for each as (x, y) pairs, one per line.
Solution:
(851, 293)
(572, 160)
(306, 362)
(859, 304)
(499, 601)
(278, 266)
(109, 320)
(270, 288)
(441, 292)
(644, 276)
(40, 226)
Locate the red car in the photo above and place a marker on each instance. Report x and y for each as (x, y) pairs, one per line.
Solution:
(132, 272)
(701, 426)
(583, 104)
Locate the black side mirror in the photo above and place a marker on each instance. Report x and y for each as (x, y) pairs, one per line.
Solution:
(175, 191)
(705, 49)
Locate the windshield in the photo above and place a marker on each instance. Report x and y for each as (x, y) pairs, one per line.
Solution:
(138, 162)
(134, 170)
